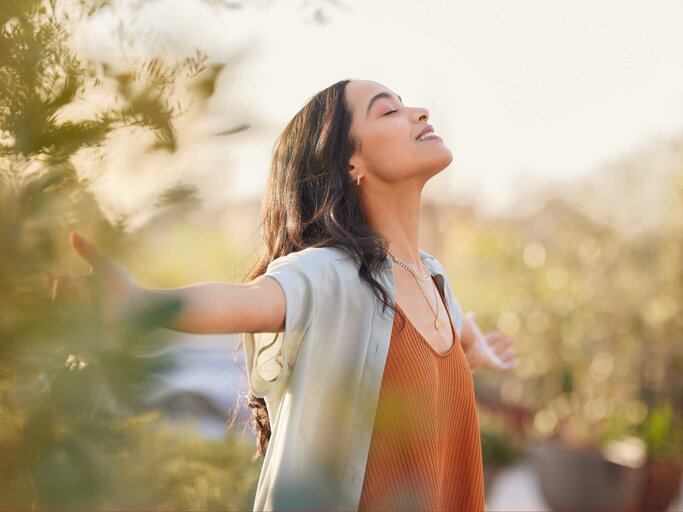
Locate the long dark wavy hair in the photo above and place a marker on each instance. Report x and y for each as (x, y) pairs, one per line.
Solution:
(311, 201)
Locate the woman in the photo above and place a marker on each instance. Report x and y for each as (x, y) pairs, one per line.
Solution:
(354, 411)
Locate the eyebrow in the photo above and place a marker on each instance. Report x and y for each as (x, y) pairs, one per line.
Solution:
(379, 96)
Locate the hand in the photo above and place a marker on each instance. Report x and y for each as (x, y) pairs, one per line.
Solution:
(107, 282)
(490, 350)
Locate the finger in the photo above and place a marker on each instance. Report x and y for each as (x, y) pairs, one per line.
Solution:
(508, 356)
(502, 365)
(71, 288)
(59, 290)
(49, 280)
(499, 349)
(494, 338)
(501, 346)
(86, 250)
(504, 342)
(52, 285)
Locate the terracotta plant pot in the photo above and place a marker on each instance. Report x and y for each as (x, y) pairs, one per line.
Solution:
(662, 484)
(581, 479)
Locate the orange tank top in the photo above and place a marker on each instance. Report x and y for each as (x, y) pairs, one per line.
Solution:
(425, 451)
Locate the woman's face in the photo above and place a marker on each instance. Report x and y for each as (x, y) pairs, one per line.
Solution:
(388, 133)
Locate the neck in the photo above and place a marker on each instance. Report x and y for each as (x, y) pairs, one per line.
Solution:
(394, 213)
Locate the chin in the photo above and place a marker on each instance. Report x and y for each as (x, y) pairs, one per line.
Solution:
(439, 166)
(443, 160)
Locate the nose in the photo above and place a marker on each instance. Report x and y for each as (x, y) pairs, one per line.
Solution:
(422, 113)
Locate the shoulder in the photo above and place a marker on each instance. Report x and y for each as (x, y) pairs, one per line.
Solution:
(316, 270)
(314, 255)
(315, 260)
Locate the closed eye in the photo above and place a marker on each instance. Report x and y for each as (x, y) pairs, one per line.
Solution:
(390, 112)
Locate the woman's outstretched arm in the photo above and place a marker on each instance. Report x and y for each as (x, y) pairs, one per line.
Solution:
(217, 307)
(210, 307)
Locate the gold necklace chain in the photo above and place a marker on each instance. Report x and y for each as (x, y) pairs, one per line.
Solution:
(414, 272)
(437, 322)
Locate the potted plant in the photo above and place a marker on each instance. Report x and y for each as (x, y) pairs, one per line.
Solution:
(579, 467)
(615, 464)
(662, 432)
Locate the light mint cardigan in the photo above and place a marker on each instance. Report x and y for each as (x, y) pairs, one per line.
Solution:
(322, 409)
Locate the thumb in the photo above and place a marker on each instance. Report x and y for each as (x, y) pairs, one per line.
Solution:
(86, 250)
(51, 282)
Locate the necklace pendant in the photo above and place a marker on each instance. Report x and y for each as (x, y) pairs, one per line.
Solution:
(437, 323)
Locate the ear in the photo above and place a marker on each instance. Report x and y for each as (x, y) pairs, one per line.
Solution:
(352, 172)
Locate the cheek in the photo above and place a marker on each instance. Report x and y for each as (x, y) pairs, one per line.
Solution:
(391, 148)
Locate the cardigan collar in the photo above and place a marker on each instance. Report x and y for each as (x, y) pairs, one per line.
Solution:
(429, 261)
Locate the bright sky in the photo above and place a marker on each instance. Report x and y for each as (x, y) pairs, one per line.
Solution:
(522, 92)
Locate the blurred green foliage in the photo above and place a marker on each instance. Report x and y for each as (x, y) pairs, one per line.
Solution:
(501, 445)
(70, 389)
(662, 432)
(183, 470)
(496, 447)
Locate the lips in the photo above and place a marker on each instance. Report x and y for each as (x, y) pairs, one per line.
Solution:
(426, 129)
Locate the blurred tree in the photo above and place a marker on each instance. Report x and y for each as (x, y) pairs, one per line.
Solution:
(601, 308)
(596, 309)
(68, 385)
(71, 431)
